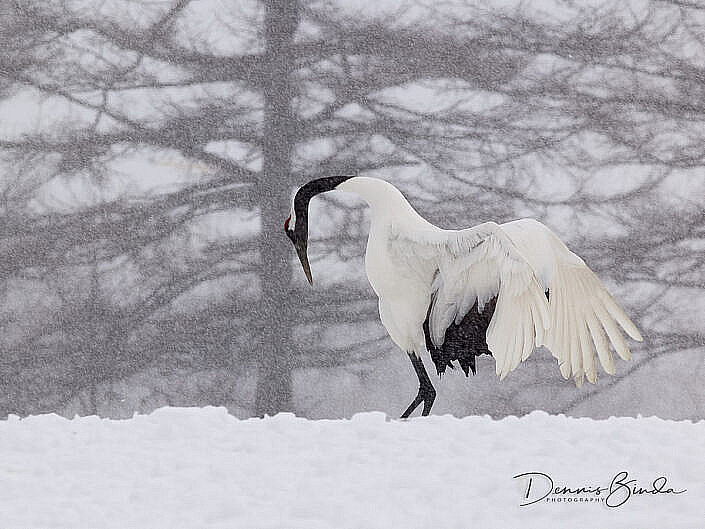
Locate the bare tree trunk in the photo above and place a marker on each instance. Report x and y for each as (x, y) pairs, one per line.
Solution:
(274, 392)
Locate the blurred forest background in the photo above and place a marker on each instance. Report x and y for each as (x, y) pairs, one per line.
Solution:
(149, 150)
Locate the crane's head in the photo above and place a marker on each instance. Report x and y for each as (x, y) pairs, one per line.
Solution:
(296, 225)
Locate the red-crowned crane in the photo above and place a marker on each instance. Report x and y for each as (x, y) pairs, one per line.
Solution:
(491, 289)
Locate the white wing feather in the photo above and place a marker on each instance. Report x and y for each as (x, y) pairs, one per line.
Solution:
(478, 264)
(581, 310)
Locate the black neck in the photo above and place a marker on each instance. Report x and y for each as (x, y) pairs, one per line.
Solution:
(304, 196)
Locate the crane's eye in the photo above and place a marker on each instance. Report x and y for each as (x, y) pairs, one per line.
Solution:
(286, 223)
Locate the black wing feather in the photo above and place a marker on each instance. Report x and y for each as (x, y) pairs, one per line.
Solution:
(464, 341)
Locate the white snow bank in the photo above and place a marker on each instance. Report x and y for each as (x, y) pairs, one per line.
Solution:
(203, 468)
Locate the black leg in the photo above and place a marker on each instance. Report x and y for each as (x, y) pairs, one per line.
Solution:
(426, 394)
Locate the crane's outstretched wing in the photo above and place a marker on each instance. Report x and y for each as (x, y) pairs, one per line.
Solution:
(581, 310)
(474, 266)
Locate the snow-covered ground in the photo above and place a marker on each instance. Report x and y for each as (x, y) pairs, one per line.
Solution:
(204, 468)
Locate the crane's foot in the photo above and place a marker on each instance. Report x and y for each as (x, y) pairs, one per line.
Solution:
(426, 394)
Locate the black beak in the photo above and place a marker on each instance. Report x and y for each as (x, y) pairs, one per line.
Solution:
(301, 247)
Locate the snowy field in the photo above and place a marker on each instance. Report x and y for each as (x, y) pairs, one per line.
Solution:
(204, 468)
